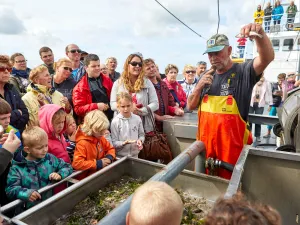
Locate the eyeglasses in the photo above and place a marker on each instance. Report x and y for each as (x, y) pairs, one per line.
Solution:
(68, 68)
(21, 61)
(3, 69)
(140, 64)
(75, 50)
(190, 71)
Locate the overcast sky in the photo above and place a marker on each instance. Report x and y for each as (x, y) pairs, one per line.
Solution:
(119, 27)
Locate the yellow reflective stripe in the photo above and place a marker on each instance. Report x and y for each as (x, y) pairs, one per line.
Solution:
(218, 104)
(246, 136)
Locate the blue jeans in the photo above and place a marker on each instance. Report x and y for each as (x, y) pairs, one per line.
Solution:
(272, 112)
(267, 26)
(257, 110)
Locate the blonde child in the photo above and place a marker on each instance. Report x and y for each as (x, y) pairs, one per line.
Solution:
(36, 170)
(155, 203)
(127, 130)
(52, 119)
(69, 135)
(93, 151)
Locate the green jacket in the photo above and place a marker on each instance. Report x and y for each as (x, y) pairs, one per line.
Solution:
(291, 11)
(28, 176)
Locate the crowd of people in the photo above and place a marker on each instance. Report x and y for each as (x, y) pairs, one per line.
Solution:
(275, 13)
(79, 114)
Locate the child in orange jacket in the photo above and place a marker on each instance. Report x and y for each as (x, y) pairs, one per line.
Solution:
(93, 152)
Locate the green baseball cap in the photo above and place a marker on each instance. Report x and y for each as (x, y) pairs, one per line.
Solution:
(216, 43)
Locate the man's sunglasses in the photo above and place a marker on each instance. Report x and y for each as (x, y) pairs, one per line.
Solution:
(21, 61)
(75, 50)
(140, 64)
(190, 71)
(3, 69)
(68, 68)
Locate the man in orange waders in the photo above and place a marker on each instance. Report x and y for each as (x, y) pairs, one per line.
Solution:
(223, 95)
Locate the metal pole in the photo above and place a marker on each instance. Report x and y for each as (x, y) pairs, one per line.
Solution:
(200, 163)
(167, 174)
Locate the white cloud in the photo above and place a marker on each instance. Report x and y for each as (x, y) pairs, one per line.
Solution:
(10, 23)
(120, 27)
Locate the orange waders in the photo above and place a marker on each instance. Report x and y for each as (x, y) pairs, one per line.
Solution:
(222, 130)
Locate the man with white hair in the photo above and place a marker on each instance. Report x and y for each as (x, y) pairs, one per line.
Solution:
(112, 63)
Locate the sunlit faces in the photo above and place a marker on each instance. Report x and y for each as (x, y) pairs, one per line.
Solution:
(20, 63)
(125, 107)
(93, 69)
(135, 66)
(38, 151)
(150, 70)
(104, 69)
(47, 57)
(220, 59)
(201, 68)
(189, 75)
(71, 127)
(58, 124)
(5, 120)
(43, 78)
(64, 70)
(172, 75)
(4, 73)
(112, 64)
(74, 53)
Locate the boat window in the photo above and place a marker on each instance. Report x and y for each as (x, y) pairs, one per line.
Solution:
(288, 44)
(275, 43)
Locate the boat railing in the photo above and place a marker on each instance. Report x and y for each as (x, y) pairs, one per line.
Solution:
(283, 23)
(14, 204)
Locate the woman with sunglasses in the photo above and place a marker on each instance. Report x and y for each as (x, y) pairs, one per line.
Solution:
(175, 87)
(62, 80)
(41, 92)
(20, 73)
(143, 93)
(189, 82)
(19, 115)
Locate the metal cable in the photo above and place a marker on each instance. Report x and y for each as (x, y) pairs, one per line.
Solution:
(180, 20)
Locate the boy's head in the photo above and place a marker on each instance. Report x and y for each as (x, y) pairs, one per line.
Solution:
(239, 211)
(155, 203)
(35, 142)
(70, 124)
(5, 112)
(58, 121)
(124, 103)
(95, 123)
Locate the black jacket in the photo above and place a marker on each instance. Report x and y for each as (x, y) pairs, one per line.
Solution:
(16, 103)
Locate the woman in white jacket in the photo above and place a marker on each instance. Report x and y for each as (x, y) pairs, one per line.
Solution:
(140, 88)
(261, 96)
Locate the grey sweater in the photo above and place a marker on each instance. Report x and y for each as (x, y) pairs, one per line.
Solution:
(123, 129)
(5, 157)
(147, 96)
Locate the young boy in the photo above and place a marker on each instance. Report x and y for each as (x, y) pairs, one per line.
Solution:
(37, 170)
(155, 203)
(93, 152)
(53, 120)
(5, 113)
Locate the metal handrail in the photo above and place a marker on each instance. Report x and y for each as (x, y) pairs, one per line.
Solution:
(18, 202)
(167, 174)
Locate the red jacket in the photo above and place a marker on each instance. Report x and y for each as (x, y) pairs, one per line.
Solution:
(177, 92)
(55, 146)
(82, 97)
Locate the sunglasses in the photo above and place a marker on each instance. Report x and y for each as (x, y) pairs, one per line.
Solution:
(75, 50)
(21, 61)
(3, 69)
(140, 64)
(68, 68)
(190, 71)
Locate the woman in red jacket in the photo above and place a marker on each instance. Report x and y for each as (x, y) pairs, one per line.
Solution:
(174, 87)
